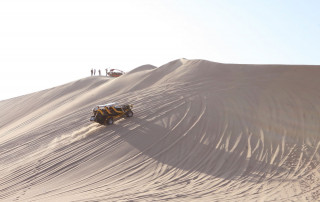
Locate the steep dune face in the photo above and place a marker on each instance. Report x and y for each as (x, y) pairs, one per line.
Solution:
(201, 131)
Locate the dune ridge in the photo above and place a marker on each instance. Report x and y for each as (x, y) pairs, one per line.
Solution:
(201, 131)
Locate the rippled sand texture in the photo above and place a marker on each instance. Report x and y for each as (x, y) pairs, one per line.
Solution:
(201, 131)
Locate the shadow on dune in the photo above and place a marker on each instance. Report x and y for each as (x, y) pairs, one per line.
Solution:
(190, 154)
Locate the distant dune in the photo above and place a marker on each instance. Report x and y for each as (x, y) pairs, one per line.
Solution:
(201, 131)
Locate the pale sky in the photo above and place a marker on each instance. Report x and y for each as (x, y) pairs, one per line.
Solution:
(46, 43)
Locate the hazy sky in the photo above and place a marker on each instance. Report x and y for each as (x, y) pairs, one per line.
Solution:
(45, 43)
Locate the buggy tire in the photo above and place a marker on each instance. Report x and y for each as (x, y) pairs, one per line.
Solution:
(109, 121)
(99, 118)
(129, 113)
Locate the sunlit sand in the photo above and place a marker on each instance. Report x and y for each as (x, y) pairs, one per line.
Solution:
(201, 131)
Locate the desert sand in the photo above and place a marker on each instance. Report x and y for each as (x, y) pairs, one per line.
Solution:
(201, 131)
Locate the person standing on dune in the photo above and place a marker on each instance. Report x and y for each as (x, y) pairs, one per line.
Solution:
(91, 71)
(94, 72)
(99, 72)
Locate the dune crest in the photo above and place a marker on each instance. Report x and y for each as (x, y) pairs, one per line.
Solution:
(201, 131)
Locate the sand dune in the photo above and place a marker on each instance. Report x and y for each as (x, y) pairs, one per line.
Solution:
(201, 131)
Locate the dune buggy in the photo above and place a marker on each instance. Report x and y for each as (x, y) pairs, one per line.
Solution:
(108, 113)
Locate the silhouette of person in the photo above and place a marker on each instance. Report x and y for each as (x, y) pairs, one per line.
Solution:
(106, 71)
(91, 71)
(99, 72)
(94, 72)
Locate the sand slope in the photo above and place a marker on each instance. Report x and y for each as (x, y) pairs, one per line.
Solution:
(201, 131)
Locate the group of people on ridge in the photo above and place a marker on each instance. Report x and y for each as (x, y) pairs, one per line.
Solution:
(93, 72)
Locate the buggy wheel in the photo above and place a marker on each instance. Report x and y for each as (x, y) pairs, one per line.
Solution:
(99, 118)
(129, 113)
(109, 121)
